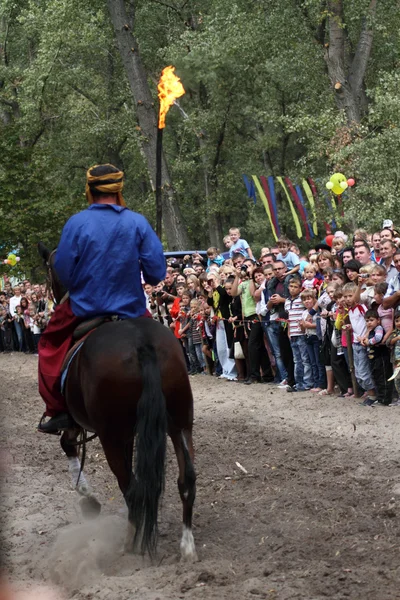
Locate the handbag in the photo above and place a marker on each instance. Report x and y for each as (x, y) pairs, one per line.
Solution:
(238, 351)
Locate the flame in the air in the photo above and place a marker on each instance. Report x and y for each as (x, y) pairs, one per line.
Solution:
(169, 89)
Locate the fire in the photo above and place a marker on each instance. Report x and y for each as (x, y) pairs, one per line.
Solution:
(169, 89)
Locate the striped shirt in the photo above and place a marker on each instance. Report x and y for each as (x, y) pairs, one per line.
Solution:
(294, 307)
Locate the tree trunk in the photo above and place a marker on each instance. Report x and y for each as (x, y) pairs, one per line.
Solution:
(211, 218)
(175, 230)
(347, 76)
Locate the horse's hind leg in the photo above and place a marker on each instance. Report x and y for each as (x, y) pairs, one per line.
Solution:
(90, 506)
(119, 456)
(183, 444)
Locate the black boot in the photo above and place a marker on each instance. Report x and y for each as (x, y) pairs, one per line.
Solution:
(55, 424)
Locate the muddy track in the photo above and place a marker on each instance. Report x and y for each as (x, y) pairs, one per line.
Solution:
(316, 515)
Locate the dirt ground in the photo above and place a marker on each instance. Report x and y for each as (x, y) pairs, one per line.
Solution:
(316, 516)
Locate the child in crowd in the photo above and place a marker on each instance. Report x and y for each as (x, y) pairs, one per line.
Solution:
(310, 281)
(227, 241)
(239, 245)
(379, 360)
(183, 318)
(339, 277)
(35, 328)
(196, 357)
(290, 259)
(214, 258)
(360, 356)
(340, 362)
(339, 241)
(302, 367)
(308, 325)
(208, 337)
(378, 274)
(385, 314)
(325, 303)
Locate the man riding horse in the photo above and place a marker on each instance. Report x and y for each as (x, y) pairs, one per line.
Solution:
(99, 260)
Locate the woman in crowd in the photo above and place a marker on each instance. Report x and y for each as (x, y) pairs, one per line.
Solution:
(219, 300)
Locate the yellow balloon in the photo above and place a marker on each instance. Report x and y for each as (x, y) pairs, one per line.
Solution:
(12, 260)
(337, 179)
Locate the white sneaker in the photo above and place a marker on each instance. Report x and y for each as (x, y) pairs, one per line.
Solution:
(283, 385)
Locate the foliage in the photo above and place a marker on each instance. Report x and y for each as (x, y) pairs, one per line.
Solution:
(258, 100)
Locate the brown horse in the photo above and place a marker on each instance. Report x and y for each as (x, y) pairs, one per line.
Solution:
(129, 385)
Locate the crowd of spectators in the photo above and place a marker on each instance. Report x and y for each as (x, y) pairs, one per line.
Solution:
(24, 313)
(327, 322)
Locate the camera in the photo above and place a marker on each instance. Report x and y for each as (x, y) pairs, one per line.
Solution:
(153, 294)
(159, 294)
(243, 269)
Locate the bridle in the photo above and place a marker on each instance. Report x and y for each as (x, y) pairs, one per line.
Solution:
(50, 280)
(50, 274)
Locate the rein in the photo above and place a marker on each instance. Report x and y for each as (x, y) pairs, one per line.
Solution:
(82, 442)
(49, 273)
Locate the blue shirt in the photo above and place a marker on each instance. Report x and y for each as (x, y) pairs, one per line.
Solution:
(100, 256)
(239, 247)
(290, 259)
(218, 261)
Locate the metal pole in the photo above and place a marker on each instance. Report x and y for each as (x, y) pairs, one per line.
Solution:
(158, 182)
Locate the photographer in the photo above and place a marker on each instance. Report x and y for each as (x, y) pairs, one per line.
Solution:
(156, 304)
(258, 364)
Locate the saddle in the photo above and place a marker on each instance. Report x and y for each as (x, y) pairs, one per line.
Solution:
(87, 326)
(80, 334)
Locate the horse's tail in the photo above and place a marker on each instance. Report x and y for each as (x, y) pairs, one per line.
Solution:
(147, 482)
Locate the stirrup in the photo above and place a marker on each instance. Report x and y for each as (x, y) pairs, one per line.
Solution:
(48, 432)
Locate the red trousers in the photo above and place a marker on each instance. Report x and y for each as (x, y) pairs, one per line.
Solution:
(54, 344)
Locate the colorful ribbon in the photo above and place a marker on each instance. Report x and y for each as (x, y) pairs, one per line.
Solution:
(311, 202)
(292, 210)
(315, 194)
(272, 209)
(251, 190)
(266, 205)
(309, 228)
(271, 186)
(299, 207)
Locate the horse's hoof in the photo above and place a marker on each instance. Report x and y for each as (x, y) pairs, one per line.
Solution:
(189, 557)
(90, 507)
(188, 549)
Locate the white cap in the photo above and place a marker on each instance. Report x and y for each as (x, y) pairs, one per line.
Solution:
(340, 234)
(387, 224)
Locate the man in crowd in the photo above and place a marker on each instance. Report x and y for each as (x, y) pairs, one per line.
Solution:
(347, 254)
(392, 297)
(376, 247)
(388, 249)
(362, 252)
(273, 309)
